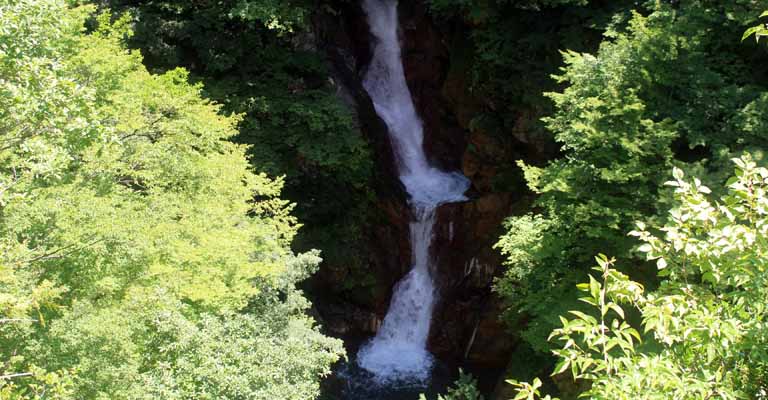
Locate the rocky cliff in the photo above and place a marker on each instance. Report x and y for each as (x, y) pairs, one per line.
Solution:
(465, 326)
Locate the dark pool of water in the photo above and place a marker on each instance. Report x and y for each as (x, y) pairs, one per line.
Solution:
(350, 382)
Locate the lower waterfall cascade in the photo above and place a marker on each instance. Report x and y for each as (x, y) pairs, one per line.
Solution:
(398, 352)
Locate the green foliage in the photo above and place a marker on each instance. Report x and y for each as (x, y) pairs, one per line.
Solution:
(134, 261)
(257, 58)
(474, 7)
(591, 347)
(707, 318)
(626, 114)
(529, 391)
(277, 15)
(506, 51)
(530, 243)
(465, 388)
(757, 31)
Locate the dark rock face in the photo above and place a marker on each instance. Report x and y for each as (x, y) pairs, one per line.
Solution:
(465, 325)
(340, 318)
(426, 60)
(345, 40)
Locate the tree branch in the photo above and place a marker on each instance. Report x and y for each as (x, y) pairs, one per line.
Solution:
(53, 254)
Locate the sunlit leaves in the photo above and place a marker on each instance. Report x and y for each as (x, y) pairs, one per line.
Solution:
(283, 16)
(706, 321)
(131, 230)
(465, 388)
(597, 345)
(529, 391)
(667, 87)
(757, 31)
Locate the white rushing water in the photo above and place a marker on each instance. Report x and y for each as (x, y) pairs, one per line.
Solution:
(398, 352)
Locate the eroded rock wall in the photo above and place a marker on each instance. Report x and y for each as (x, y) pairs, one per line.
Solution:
(465, 325)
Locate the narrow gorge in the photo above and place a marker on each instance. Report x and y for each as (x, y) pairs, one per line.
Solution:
(383, 199)
(398, 352)
(432, 254)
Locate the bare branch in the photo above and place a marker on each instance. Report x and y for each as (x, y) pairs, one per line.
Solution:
(55, 254)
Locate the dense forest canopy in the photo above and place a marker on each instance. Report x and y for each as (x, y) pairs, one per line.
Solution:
(257, 59)
(664, 91)
(142, 257)
(171, 172)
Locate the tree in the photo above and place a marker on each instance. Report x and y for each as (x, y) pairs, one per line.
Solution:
(626, 114)
(141, 257)
(705, 325)
(465, 388)
(757, 31)
(259, 59)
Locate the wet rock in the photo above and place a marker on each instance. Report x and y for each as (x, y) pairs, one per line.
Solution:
(465, 323)
(469, 330)
(426, 62)
(367, 283)
(341, 319)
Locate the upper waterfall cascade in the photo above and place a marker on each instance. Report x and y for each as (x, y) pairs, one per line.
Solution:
(398, 351)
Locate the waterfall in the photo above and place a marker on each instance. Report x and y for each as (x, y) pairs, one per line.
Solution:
(398, 351)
